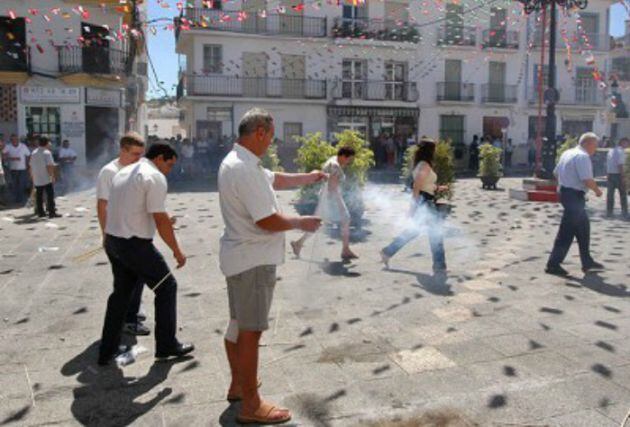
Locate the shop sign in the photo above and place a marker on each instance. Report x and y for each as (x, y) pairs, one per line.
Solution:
(103, 97)
(49, 95)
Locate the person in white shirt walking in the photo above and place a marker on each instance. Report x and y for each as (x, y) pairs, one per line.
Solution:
(18, 154)
(67, 158)
(251, 247)
(614, 164)
(43, 176)
(575, 177)
(136, 209)
(131, 150)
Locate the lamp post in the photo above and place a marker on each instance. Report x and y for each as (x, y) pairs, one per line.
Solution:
(551, 93)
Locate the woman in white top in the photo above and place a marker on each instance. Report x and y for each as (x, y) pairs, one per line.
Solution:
(423, 210)
(331, 208)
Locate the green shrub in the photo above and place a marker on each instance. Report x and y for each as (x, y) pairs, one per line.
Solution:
(363, 160)
(568, 143)
(489, 160)
(314, 151)
(271, 160)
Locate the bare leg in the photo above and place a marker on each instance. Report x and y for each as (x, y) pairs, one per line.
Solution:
(231, 349)
(298, 244)
(346, 252)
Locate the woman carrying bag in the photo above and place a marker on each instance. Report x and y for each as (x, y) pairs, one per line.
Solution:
(423, 209)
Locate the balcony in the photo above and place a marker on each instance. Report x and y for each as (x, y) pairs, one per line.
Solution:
(498, 93)
(370, 90)
(374, 29)
(455, 91)
(251, 23)
(94, 60)
(456, 36)
(252, 87)
(500, 38)
(586, 41)
(584, 95)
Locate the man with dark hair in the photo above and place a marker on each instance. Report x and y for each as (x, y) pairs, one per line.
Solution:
(136, 209)
(131, 150)
(43, 176)
(252, 246)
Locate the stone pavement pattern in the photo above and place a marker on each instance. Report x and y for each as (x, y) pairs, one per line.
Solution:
(498, 342)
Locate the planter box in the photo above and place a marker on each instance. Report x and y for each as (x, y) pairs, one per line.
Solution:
(489, 182)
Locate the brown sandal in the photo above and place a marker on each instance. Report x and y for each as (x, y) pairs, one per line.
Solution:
(263, 416)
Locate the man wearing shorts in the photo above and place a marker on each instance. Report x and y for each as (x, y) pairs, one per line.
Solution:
(252, 246)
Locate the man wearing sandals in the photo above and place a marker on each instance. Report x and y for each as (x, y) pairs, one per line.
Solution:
(252, 246)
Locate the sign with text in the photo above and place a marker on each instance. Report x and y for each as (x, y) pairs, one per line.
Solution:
(103, 97)
(44, 94)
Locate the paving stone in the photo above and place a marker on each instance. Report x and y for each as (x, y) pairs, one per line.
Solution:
(422, 359)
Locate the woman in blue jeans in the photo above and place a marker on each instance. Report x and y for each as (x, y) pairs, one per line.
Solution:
(423, 210)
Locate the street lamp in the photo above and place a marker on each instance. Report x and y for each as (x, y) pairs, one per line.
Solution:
(551, 94)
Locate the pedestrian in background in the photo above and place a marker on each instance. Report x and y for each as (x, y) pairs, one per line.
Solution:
(616, 181)
(17, 155)
(67, 158)
(43, 176)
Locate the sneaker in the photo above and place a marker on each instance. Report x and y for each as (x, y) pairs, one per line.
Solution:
(556, 270)
(593, 265)
(136, 329)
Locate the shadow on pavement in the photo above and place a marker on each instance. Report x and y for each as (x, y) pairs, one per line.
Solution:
(105, 396)
(434, 284)
(595, 282)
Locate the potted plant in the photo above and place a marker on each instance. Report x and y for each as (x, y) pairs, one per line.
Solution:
(312, 154)
(271, 160)
(489, 166)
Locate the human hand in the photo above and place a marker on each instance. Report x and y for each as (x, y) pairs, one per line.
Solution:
(309, 224)
(598, 192)
(180, 258)
(317, 176)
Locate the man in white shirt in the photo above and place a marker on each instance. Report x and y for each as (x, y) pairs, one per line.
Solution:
(131, 150)
(251, 247)
(17, 154)
(136, 209)
(614, 164)
(575, 177)
(67, 158)
(43, 176)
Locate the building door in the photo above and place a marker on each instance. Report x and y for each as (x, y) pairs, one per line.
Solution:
(95, 52)
(293, 75)
(101, 134)
(452, 79)
(452, 127)
(492, 127)
(497, 36)
(292, 20)
(254, 23)
(353, 72)
(590, 26)
(354, 17)
(496, 81)
(254, 74)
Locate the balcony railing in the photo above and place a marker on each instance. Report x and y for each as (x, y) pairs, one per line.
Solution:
(93, 60)
(252, 23)
(254, 87)
(374, 29)
(500, 38)
(451, 35)
(455, 91)
(581, 94)
(586, 41)
(12, 59)
(498, 93)
(621, 73)
(370, 90)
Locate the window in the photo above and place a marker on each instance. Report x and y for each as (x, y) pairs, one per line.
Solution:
(545, 76)
(585, 89)
(395, 75)
(291, 130)
(621, 68)
(353, 75)
(12, 44)
(452, 127)
(355, 123)
(212, 58)
(212, 4)
(43, 121)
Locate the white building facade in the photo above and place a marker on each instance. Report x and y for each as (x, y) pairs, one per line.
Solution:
(407, 68)
(66, 73)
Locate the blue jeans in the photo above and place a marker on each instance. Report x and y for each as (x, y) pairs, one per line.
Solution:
(574, 223)
(134, 260)
(19, 182)
(426, 214)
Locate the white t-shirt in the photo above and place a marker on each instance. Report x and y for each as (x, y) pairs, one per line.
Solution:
(21, 152)
(188, 151)
(137, 192)
(246, 196)
(67, 153)
(40, 160)
(616, 157)
(105, 177)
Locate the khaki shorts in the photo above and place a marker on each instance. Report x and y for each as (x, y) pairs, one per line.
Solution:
(249, 295)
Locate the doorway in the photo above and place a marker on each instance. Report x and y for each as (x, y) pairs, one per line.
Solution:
(101, 134)
(492, 127)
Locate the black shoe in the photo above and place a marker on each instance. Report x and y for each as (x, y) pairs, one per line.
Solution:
(141, 316)
(593, 265)
(136, 329)
(104, 360)
(41, 214)
(54, 215)
(179, 351)
(556, 270)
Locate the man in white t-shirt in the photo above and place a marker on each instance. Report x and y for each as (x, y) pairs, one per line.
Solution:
(17, 155)
(251, 247)
(43, 175)
(131, 150)
(67, 158)
(136, 209)
(614, 164)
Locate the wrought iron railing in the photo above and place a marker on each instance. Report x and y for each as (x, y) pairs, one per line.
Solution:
(455, 91)
(577, 41)
(376, 29)
(456, 35)
(371, 90)
(500, 38)
(499, 93)
(253, 87)
(94, 60)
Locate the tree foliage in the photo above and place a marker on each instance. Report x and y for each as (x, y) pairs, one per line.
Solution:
(490, 160)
